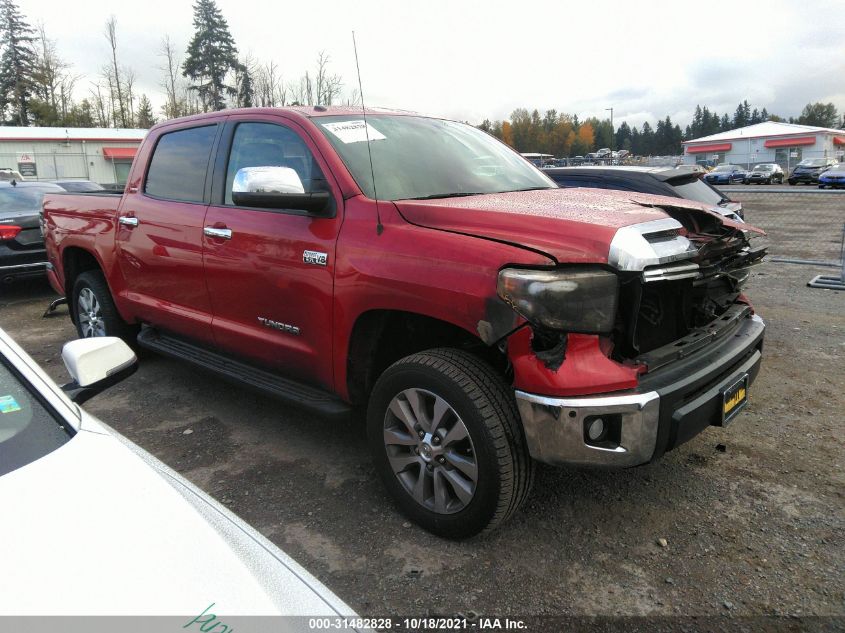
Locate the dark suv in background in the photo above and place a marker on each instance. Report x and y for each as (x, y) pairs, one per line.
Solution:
(661, 181)
(22, 251)
(765, 173)
(809, 170)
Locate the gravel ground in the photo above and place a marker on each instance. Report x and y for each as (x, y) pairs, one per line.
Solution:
(744, 521)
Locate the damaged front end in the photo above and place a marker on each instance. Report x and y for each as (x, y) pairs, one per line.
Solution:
(681, 282)
(670, 286)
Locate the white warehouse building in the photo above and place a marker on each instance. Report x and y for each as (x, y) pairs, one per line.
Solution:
(786, 144)
(103, 155)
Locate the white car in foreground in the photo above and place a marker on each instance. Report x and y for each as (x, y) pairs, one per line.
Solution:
(93, 525)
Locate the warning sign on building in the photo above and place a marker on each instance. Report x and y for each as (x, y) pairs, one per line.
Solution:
(26, 166)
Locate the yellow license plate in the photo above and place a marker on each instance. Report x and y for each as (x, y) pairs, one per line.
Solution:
(734, 399)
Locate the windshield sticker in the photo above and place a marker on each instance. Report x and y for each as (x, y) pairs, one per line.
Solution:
(8, 404)
(354, 131)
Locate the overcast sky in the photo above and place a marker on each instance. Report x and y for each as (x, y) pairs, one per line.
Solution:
(476, 60)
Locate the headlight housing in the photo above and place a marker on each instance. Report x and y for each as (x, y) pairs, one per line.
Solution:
(576, 299)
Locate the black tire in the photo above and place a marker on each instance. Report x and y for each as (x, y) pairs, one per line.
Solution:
(487, 408)
(113, 325)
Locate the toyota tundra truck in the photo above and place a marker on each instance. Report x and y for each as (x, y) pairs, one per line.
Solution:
(417, 268)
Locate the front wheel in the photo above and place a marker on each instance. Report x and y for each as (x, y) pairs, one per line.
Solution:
(445, 436)
(94, 312)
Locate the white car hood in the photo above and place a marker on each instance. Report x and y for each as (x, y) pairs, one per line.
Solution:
(95, 528)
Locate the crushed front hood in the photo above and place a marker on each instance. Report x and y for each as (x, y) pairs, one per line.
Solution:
(571, 225)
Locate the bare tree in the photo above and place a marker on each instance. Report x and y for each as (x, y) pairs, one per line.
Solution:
(327, 87)
(172, 79)
(270, 90)
(129, 83)
(54, 83)
(115, 80)
(354, 99)
(100, 105)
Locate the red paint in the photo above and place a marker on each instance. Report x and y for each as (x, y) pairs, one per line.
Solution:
(715, 147)
(586, 369)
(839, 140)
(119, 152)
(790, 142)
(437, 258)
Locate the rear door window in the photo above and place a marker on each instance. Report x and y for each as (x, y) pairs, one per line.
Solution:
(179, 164)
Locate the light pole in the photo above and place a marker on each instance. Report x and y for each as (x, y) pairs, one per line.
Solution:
(611, 133)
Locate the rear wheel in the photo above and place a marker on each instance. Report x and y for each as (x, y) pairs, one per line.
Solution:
(94, 312)
(445, 436)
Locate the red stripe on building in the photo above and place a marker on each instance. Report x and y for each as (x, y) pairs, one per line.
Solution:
(790, 142)
(839, 140)
(119, 152)
(700, 149)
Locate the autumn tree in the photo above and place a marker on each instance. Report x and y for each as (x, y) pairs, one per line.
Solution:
(507, 133)
(211, 56)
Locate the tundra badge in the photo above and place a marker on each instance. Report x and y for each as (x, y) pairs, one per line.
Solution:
(315, 257)
(276, 325)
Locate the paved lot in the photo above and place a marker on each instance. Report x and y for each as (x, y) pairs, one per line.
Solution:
(753, 516)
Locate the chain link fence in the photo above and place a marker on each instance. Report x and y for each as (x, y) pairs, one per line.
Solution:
(805, 227)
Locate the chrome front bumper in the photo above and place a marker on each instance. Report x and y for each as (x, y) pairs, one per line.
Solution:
(674, 403)
(554, 428)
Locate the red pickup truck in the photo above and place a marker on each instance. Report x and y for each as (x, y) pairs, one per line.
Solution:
(419, 268)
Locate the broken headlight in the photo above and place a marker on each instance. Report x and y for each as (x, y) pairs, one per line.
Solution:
(576, 299)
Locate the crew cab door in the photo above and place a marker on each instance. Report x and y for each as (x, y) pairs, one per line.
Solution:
(270, 272)
(158, 239)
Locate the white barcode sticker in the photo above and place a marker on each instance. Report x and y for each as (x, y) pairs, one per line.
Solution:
(354, 131)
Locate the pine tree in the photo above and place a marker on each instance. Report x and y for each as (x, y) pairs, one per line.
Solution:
(17, 64)
(246, 92)
(211, 55)
(145, 118)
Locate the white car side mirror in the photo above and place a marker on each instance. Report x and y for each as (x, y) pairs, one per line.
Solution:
(96, 363)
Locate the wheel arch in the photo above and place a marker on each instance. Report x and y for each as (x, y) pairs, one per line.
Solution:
(380, 337)
(75, 261)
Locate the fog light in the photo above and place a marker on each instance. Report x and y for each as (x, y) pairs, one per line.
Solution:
(596, 429)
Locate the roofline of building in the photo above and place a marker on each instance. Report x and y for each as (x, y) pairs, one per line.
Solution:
(808, 129)
(65, 139)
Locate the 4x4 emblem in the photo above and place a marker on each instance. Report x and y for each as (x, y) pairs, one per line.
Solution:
(315, 257)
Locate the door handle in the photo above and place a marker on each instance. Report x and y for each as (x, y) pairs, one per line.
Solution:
(212, 231)
(128, 220)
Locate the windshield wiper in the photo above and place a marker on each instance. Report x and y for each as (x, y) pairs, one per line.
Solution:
(527, 189)
(458, 194)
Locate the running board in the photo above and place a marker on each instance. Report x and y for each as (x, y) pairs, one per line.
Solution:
(234, 371)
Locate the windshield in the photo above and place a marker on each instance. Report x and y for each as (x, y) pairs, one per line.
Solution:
(418, 157)
(22, 201)
(725, 168)
(28, 431)
(699, 191)
(763, 167)
(813, 162)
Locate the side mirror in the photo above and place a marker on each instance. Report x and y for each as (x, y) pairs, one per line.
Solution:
(276, 188)
(96, 364)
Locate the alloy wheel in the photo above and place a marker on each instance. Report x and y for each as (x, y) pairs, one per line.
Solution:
(430, 451)
(90, 314)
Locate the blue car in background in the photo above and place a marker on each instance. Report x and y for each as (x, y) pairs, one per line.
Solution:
(726, 174)
(833, 177)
